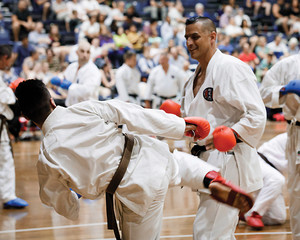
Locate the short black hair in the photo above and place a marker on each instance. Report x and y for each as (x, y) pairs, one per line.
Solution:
(5, 50)
(34, 100)
(129, 54)
(206, 22)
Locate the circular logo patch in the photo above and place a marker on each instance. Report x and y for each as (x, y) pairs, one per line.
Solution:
(208, 94)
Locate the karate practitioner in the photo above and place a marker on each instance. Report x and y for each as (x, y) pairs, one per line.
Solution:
(7, 169)
(281, 89)
(164, 82)
(269, 207)
(82, 149)
(128, 79)
(84, 77)
(223, 90)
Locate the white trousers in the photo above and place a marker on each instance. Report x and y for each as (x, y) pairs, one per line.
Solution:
(293, 156)
(184, 170)
(7, 169)
(214, 220)
(269, 201)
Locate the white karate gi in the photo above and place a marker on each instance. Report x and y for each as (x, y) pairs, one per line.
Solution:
(127, 83)
(279, 75)
(7, 167)
(228, 96)
(167, 85)
(85, 82)
(269, 202)
(82, 148)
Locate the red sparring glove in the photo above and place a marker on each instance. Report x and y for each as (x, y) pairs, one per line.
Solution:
(202, 130)
(224, 138)
(16, 83)
(169, 106)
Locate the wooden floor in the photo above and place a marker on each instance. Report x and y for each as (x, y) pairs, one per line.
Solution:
(39, 222)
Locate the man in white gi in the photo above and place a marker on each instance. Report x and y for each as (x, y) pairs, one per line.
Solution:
(84, 76)
(223, 90)
(269, 207)
(82, 149)
(164, 82)
(281, 89)
(7, 169)
(128, 79)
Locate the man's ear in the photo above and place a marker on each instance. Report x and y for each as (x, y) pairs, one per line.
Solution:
(52, 103)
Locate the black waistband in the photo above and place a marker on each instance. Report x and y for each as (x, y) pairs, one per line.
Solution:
(297, 122)
(133, 95)
(266, 160)
(164, 97)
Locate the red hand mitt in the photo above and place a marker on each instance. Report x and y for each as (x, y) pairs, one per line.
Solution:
(202, 124)
(224, 139)
(169, 106)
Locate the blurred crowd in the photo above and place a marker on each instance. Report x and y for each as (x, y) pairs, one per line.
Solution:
(135, 50)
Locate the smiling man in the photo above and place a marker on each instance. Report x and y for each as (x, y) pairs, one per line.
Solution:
(223, 90)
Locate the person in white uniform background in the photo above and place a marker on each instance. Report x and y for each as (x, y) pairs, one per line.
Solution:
(269, 207)
(164, 82)
(281, 89)
(82, 148)
(223, 90)
(7, 169)
(83, 75)
(128, 79)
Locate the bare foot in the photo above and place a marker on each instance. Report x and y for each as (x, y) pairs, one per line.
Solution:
(234, 196)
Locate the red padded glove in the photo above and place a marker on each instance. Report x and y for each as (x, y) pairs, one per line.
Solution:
(169, 106)
(202, 130)
(16, 83)
(224, 138)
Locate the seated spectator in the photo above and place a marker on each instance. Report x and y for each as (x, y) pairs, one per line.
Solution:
(90, 28)
(278, 47)
(242, 16)
(293, 46)
(20, 52)
(246, 28)
(21, 20)
(42, 7)
(225, 17)
(266, 63)
(31, 66)
(145, 63)
(60, 9)
(261, 49)
(232, 29)
(107, 89)
(132, 17)
(281, 11)
(54, 64)
(166, 31)
(157, 9)
(38, 38)
(257, 5)
(116, 14)
(199, 11)
(248, 56)
(96, 50)
(177, 59)
(75, 8)
(136, 38)
(225, 45)
(91, 7)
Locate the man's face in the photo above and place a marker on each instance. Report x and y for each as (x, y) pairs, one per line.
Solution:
(83, 53)
(198, 42)
(131, 62)
(5, 62)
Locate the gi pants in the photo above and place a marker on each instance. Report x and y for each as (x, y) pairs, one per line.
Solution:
(184, 170)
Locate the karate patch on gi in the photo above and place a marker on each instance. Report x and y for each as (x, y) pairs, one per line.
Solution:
(208, 94)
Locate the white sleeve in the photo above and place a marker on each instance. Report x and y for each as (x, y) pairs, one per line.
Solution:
(138, 119)
(120, 85)
(150, 85)
(55, 193)
(7, 95)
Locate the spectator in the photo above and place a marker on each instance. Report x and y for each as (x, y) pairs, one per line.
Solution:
(166, 31)
(278, 47)
(293, 46)
(132, 17)
(242, 16)
(158, 9)
(136, 38)
(90, 28)
(38, 38)
(77, 11)
(122, 45)
(258, 5)
(248, 56)
(261, 49)
(116, 14)
(176, 58)
(246, 28)
(20, 52)
(21, 20)
(60, 9)
(232, 29)
(31, 66)
(42, 7)
(145, 63)
(225, 17)
(91, 7)
(225, 45)
(281, 11)
(266, 63)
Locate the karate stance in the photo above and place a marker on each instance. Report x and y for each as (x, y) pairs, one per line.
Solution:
(82, 148)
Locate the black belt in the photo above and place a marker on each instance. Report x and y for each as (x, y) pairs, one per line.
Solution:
(114, 183)
(266, 160)
(197, 150)
(297, 123)
(133, 95)
(2, 124)
(165, 98)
